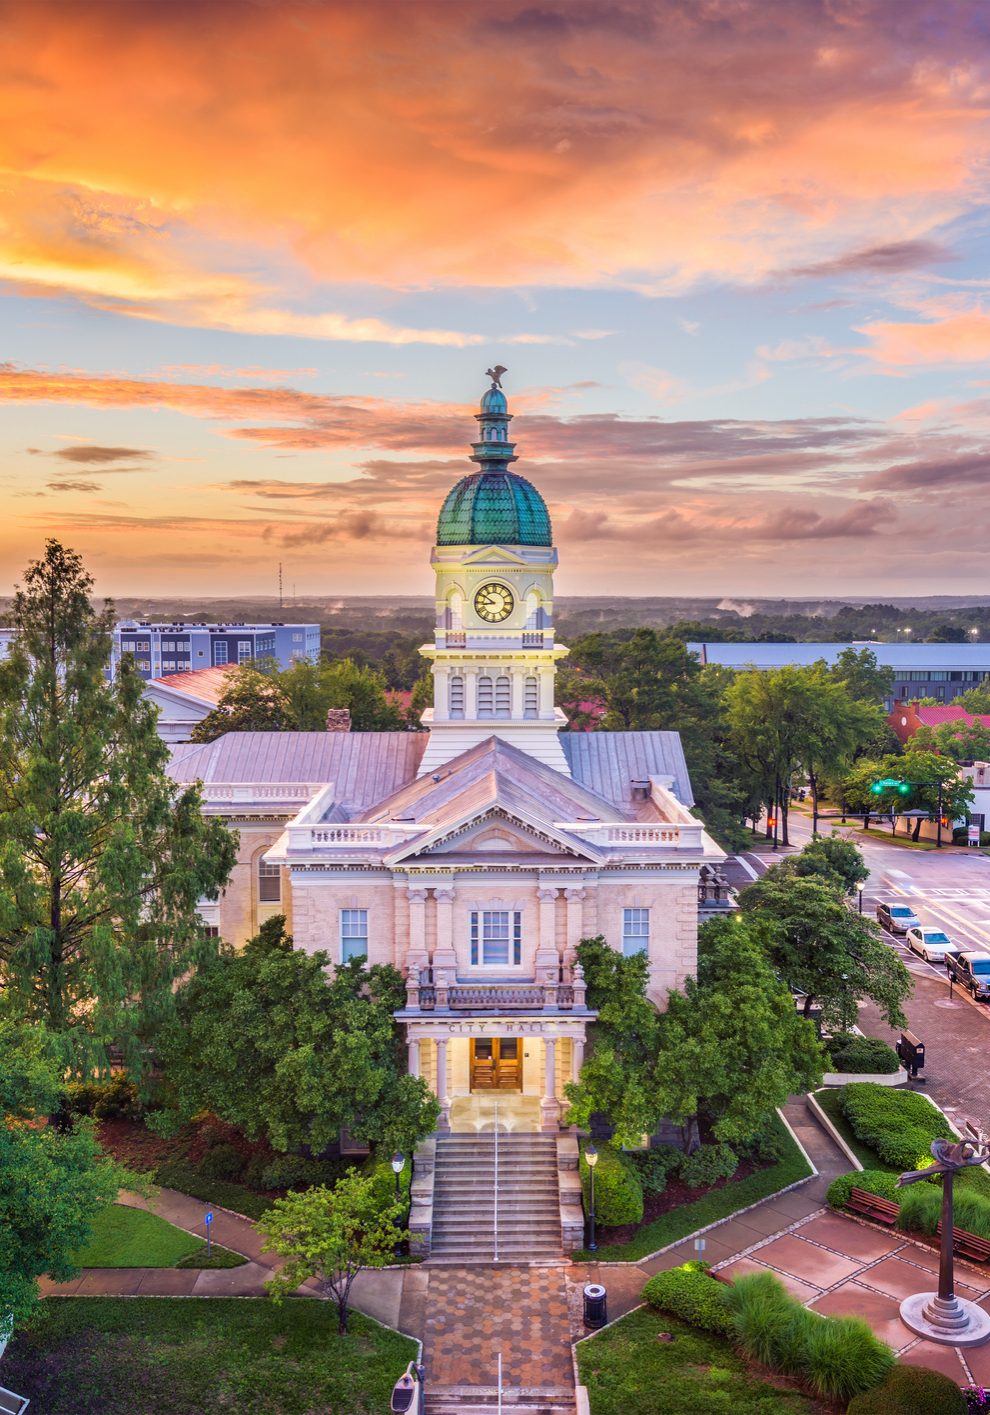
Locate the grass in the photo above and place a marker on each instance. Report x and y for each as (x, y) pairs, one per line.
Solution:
(718, 1204)
(976, 1178)
(123, 1237)
(182, 1176)
(629, 1372)
(902, 840)
(166, 1356)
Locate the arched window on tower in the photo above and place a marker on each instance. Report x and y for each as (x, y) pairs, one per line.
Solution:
(531, 697)
(486, 696)
(456, 695)
(533, 611)
(503, 696)
(454, 616)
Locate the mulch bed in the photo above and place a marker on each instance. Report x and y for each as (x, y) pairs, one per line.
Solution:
(132, 1144)
(675, 1196)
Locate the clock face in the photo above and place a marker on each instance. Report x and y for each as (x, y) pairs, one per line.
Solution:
(493, 602)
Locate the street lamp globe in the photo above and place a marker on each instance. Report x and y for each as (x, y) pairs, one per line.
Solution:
(591, 1156)
(398, 1162)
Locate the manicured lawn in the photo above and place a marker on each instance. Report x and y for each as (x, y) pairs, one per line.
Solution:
(133, 1238)
(629, 1372)
(718, 1204)
(168, 1356)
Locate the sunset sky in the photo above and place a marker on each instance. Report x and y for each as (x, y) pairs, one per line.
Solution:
(255, 258)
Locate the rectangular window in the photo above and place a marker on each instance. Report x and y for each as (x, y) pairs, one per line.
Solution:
(353, 934)
(144, 646)
(297, 638)
(269, 883)
(635, 931)
(496, 938)
(244, 650)
(220, 651)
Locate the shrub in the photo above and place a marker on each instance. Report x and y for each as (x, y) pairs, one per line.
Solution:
(842, 1356)
(222, 1162)
(837, 1356)
(618, 1192)
(119, 1099)
(383, 1176)
(921, 1208)
(898, 1125)
(874, 1181)
(911, 1390)
(166, 1124)
(970, 1211)
(708, 1165)
(655, 1166)
(865, 1054)
(296, 1172)
(83, 1095)
(254, 1171)
(693, 1296)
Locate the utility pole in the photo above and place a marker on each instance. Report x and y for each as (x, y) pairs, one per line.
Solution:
(280, 587)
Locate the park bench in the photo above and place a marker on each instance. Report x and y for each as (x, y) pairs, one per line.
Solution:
(873, 1206)
(970, 1245)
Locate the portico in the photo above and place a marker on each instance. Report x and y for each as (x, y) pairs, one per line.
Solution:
(520, 1063)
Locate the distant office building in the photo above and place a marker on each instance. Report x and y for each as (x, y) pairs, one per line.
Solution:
(162, 649)
(940, 671)
(6, 639)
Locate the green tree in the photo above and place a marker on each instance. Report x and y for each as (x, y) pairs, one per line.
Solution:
(330, 1235)
(834, 723)
(962, 741)
(865, 679)
(616, 1078)
(102, 857)
(52, 1182)
(975, 700)
(820, 948)
(422, 698)
(933, 783)
(252, 700)
(732, 1046)
(313, 688)
(271, 1042)
(835, 861)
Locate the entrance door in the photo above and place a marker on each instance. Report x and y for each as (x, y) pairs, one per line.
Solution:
(496, 1064)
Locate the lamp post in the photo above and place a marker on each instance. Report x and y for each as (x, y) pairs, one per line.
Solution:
(859, 891)
(591, 1157)
(398, 1165)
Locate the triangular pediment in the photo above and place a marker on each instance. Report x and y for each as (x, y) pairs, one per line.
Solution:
(493, 555)
(497, 832)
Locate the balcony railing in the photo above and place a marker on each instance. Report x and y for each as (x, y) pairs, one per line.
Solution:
(637, 836)
(438, 994)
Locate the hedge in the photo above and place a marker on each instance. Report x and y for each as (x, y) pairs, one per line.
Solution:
(874, 1181)
(911, 1390)
(688, 1292)
(863, 1054)
(618, 1192)
(708, 1165)
(920, 1204)
(898, 1125)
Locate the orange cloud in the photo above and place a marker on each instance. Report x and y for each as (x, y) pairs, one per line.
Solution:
(956, 339)
(159, 156)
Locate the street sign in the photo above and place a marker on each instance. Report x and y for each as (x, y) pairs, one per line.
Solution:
(209, 1233)
(208, 1220)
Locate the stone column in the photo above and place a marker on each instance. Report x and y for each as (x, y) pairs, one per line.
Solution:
(547, 957)
(470, 693)
(575, 923)
(445, 954)
(577, 1058)
(412, 1065)
(443, 1123)
(416, 957)
(549, 1105)
(518, 679)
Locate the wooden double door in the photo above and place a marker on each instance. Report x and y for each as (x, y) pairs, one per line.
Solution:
(496, 1064)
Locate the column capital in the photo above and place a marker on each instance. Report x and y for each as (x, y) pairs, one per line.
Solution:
(417, 894)
(445, 893)
(574, 894)
(547, 894)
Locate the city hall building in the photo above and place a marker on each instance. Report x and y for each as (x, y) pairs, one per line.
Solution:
(473, 856)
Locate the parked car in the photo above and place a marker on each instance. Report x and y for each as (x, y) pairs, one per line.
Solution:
(897, 918)
(971, 971)
(930, 944)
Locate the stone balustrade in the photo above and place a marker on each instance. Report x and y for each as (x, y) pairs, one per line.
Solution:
(442, 993)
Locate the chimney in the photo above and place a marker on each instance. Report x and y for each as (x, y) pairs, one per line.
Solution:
(338, 719)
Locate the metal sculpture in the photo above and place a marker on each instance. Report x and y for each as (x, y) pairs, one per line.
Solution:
(495, 374)
(942, 1316)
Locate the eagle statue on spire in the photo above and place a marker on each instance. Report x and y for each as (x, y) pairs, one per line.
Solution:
(495, 374)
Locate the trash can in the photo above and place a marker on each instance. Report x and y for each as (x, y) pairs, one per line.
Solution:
(595, 1306)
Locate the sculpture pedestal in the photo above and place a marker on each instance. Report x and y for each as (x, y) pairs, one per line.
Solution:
(952, 1321)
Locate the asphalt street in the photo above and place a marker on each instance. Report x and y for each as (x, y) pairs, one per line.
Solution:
(948, 889)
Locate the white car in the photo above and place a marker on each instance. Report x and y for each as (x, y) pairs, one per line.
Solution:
(930, 944)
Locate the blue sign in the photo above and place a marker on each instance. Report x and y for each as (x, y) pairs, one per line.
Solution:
(209, 1219)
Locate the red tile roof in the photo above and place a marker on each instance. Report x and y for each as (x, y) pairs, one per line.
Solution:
(204, 683)
(906, 718)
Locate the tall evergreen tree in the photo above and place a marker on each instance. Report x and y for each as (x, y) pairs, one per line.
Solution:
(102, 856)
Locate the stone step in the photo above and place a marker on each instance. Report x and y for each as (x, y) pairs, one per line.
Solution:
(468, 1400)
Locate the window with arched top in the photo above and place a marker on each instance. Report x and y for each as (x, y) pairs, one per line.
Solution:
(531, 697)
(534, 611)
(455, 698)
(503, 696)
(269, 883)
(486, 696)
(455, 611)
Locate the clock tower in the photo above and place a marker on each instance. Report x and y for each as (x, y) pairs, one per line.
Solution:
(494, 656)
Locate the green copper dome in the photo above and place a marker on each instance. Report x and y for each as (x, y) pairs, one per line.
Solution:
(494, 508)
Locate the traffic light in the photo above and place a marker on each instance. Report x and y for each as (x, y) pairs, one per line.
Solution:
(771, 821)
(876, 788)
(904, 788)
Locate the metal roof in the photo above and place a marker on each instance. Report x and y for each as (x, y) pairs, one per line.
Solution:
(609, 762)
(899, 657)
(364, 766)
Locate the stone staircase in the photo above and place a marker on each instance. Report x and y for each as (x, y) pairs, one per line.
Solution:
(476, 1220)
(483, 1400)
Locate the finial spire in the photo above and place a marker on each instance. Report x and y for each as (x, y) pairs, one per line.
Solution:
(495, 374)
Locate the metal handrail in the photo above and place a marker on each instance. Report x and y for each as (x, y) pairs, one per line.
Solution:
(495, 1209)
